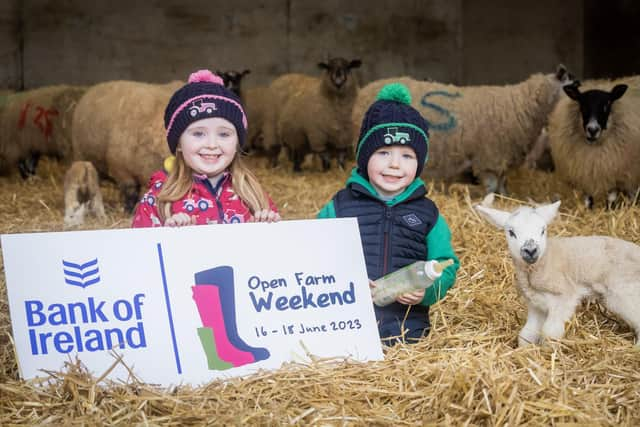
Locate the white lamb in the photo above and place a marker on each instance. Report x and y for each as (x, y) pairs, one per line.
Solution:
(555, 274)
(81, 194)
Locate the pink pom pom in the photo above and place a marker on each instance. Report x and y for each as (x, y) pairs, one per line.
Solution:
(205, 76)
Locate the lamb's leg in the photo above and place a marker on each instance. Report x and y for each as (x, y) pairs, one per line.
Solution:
(342, 154)
(588, 202)
(490, 182)
(130, 192)
(326, 161)
(624, 303)
(530, 333)
(612, 196)
(96, 206)
(560, 312)
(298, 157)
(502, 185)
(273, 153)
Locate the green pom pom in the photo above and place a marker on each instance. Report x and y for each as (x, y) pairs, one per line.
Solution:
(395, 92)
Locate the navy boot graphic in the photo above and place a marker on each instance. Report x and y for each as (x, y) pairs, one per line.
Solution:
(222, 278)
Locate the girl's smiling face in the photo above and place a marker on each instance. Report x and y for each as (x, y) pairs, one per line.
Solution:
(209, 145)
(391, 169)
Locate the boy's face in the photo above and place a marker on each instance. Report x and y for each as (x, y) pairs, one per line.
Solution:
(392, 168)
(209, 145)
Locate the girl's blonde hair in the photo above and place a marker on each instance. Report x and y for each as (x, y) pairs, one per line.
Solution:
(180, 182)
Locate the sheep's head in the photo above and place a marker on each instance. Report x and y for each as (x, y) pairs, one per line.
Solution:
(595, 106)
(525, 229)
(74, 215)
(562, 77)
(338, 70)
(233, 79)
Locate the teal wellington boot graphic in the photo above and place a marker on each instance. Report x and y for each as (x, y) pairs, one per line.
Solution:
(215, 298)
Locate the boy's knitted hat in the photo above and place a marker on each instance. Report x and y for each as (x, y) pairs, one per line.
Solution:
(391, 120)
(203, 96)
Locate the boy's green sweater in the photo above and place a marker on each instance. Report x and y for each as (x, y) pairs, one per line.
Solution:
(438, 240)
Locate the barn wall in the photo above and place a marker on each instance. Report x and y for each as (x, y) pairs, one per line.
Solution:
(461, 41)
(10, 32)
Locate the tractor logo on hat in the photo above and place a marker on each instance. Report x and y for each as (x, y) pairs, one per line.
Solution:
(393, 136)
(204, 107)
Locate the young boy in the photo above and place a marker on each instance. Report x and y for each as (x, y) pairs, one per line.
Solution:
(398, 224)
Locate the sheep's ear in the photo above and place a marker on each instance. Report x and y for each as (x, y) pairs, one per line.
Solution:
(561, 72)
(356, 63)
(548, 212)
(617, 92)
(496, 217)
(572, 91)
(323, 66)
(245, 72)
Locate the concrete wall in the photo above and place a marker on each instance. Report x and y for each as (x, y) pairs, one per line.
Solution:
(10, 40)
(46, 42)
(506, 40)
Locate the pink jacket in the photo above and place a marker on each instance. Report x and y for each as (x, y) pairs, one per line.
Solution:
(208, 205)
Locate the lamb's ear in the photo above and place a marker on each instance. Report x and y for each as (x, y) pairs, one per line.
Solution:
(572, 91)
(548, 212)
(496, 217)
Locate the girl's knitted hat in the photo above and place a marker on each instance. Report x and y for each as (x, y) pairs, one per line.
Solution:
(391, 120)
(203, 96)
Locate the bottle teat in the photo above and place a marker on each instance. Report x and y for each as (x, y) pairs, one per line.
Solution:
(440, 266)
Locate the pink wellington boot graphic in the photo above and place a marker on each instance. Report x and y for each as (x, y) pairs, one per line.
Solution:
(215, 298)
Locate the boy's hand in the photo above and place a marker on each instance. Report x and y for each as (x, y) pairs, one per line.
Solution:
(266, 215)
(179, 220)
(411, 298)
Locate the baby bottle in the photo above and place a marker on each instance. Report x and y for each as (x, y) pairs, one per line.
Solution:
(413, 277)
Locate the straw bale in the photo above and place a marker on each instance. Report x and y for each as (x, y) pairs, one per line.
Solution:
(468, 371)
(37, 122)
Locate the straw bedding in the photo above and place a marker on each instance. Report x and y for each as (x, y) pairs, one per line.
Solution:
(468, 371)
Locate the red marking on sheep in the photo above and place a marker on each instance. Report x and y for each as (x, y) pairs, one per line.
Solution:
(42, 119)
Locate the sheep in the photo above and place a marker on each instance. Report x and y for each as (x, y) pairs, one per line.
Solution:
(81, 194)
(254, 101)
(119, 127)
(594, 137)
(485, 129)
(540, 155)
(34, 123)
(554, 274)
(233, 80)
(312, 114)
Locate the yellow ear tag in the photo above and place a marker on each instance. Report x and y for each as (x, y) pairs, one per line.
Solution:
(169, 163)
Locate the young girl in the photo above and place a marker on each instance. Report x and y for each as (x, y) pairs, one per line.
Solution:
(207, 182)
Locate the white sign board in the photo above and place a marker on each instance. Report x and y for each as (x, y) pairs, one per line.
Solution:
(187, 305)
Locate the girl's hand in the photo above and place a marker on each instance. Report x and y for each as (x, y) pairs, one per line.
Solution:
(266, 215)
(372, 284)
(179, 220)
(411, 298)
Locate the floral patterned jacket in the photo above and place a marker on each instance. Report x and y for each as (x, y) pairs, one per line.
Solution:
(208, 204)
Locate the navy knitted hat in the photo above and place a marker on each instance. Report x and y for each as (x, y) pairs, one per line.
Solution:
(202, 97)
(391, 120)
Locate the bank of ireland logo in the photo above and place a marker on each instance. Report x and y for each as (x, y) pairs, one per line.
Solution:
(214, 296)
(81, 274)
